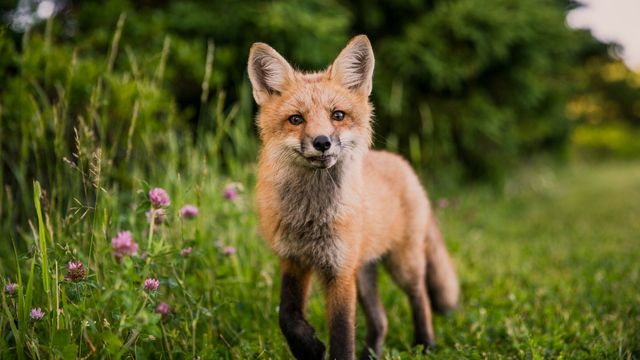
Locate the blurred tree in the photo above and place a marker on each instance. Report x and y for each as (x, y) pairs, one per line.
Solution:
(461, 88)
(605, 104)
(476, 86)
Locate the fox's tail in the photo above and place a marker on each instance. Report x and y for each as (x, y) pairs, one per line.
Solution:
(442, 281)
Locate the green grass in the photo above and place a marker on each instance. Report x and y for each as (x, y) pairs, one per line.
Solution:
(549, 269)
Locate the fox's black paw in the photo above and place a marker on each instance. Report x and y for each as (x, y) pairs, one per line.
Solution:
(318, 351)
(426, 345)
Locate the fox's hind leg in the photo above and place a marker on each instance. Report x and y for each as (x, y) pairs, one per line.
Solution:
(293, 296)
(373, 310)
(407, 265)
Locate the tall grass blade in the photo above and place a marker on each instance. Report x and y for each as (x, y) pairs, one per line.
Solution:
(42, 239)
(14, 329)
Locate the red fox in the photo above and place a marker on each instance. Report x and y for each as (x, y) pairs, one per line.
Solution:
(330, 205)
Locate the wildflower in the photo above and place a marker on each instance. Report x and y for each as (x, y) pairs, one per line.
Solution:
(11, 288)
(162, 308)
(231, 192)
(36, 314)
(75, 271)
(229, 250)
(159, 198)
(159, 216)
(151, 284)
(188, 212)
(186, 251)
(123, 245)
(143, 256)
(443, 203)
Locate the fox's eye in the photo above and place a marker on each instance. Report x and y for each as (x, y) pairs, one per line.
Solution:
(296, 119)
(337, 115)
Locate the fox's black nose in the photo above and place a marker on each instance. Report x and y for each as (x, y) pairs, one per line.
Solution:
(322, 143)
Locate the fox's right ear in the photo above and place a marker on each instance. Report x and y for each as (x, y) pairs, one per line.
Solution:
(268, 71)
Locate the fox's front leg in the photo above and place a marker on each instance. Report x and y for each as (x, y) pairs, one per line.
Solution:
(341, 313)
(293, 296)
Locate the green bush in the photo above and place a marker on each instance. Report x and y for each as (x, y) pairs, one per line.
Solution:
(462, 89)
(607, 140)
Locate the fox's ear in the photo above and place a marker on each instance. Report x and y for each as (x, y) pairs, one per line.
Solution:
(268, 71)
(354, 65)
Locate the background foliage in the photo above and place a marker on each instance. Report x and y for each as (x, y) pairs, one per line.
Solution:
(464, 91)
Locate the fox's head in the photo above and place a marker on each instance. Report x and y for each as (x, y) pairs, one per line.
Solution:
(313, 119)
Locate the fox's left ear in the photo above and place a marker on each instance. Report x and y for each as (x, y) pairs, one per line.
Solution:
(354, 65)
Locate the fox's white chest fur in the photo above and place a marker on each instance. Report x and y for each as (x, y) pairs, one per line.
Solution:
(309, 205)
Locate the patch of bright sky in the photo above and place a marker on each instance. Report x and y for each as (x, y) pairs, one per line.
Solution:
(45, 9)
(30, 12)
(612, 21)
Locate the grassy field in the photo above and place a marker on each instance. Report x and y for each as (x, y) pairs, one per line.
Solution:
(549, 269)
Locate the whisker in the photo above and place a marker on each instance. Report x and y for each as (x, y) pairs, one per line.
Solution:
(331, 177)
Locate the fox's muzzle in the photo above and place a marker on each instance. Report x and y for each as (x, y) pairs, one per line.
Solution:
(321, 151)
(322, 143)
